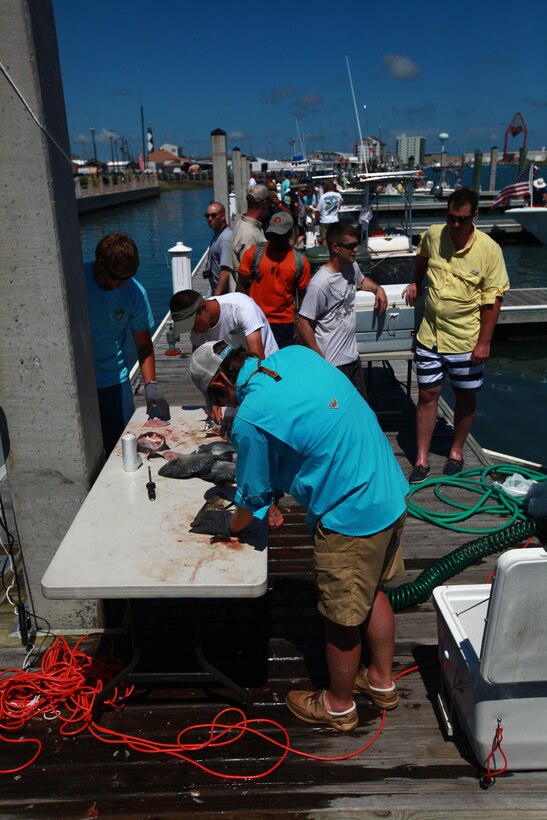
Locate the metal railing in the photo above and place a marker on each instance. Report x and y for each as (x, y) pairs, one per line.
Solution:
(113, 184)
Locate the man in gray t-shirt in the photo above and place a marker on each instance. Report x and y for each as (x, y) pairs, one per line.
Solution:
(326, 320)
(219, 256)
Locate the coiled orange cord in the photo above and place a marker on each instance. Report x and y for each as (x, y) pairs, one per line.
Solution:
(65, 689)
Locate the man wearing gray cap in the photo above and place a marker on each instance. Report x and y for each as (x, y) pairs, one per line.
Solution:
(233, 316)
(275, 275)
(302, 427)
(248, 231)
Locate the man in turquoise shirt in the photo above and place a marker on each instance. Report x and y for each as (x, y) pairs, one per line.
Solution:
(303, 428)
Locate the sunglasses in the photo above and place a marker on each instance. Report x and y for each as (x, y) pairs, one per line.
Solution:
(463, 220)
(118, 278)
(349, 246)
(212, 215)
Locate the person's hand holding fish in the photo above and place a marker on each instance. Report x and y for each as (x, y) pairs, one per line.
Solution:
(216, 414)
(227, 421)
(156, 405)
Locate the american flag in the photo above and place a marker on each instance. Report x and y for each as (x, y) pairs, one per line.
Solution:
(519, 187)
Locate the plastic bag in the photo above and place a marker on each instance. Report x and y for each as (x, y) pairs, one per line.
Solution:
(516, 485)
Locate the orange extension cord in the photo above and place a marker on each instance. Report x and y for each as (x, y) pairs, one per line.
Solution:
(69, 680)
(65, 689)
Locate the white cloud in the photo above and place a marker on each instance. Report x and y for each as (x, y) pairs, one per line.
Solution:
(400, 66)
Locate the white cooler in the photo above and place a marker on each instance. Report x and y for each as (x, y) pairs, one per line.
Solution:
(395, 330)
(493, 654)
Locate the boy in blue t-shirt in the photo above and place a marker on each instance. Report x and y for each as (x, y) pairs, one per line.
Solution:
(117, 303)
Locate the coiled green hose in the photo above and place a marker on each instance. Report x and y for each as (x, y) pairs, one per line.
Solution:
(493, 501)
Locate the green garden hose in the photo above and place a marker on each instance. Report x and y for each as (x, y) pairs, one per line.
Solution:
(493, 501)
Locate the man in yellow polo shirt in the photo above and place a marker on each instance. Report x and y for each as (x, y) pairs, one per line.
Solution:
(466, 278)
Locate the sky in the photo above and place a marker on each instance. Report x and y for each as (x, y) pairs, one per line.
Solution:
(265, 73)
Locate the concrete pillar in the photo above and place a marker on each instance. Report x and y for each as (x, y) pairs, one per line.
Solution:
(47, 382)
(220, 167)
(493, 168)
(477, 166)
(244, 176)
(236, 171)
(523, 159)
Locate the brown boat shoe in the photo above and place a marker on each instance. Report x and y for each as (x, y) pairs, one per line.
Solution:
(310, 707)
(382, 698)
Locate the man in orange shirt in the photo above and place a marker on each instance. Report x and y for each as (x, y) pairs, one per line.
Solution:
(275, 275)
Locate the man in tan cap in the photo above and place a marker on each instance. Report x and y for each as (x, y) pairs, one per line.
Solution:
(248, 230)
(539, 193)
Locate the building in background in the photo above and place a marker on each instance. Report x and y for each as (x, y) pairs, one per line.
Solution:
(370, 150)
(173, 149)
(408, 147)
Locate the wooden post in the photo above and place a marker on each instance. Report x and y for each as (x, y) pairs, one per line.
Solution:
(477, 166)
(244, 177)
(220, 167)
(236, 171)
(493, 168)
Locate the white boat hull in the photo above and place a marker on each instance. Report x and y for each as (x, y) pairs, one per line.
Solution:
(533, 220)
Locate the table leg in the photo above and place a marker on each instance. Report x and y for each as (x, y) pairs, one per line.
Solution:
(210, 674)
(208, 667)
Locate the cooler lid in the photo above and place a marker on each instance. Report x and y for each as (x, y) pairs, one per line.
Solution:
(513, 645)
(365, 299)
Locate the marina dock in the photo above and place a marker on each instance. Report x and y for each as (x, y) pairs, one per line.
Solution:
(271, 645)
(112, 192)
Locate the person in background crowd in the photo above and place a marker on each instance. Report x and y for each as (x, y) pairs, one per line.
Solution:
(219, 256)
(466, 279)
(328, 208)
(275, 275)
(539, 193)
(248, 230)
(301, 220)
(117, 304)
(285, 185)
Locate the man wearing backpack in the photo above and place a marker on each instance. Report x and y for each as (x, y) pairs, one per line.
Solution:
(275, 276)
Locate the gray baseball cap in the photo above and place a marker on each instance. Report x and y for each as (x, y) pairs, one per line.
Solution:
(205, 364)
(183, 320)
(280, 223)
(258, 192)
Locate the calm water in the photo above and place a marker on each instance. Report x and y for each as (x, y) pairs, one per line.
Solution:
(514, 400)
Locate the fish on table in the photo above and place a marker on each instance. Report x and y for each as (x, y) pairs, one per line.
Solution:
(200, 465)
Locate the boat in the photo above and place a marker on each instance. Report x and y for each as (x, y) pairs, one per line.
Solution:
(533, 220)
(390, 245)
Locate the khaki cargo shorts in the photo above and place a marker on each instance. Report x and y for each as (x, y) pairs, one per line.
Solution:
(349, 569)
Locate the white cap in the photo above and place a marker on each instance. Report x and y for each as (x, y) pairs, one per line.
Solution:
(205, 364)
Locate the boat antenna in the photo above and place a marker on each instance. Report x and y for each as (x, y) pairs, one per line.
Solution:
(357, 117)
(300, 140)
